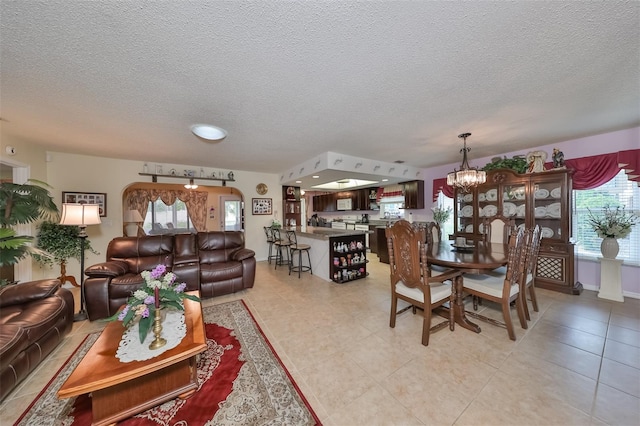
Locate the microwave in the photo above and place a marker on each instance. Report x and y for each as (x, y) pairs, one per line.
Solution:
(344, 204)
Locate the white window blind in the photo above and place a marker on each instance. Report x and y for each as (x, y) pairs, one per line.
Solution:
(619, 191)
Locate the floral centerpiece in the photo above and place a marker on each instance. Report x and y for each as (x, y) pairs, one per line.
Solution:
(159, 291)
(440, 214)
(613, 223)
(275, 223)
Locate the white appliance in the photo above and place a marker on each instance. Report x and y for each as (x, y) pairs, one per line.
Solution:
(344, 204)
(366, 235)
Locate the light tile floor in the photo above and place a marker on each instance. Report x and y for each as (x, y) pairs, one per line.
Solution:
(578, 363)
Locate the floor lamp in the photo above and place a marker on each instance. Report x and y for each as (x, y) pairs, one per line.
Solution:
(80, 215)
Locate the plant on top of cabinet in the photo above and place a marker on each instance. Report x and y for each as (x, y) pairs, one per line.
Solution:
(518, 164)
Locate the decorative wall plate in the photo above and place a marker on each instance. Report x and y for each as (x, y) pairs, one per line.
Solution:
(261, 188)
(508, 209)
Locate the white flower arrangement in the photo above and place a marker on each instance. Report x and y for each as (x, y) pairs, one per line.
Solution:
(613, 223)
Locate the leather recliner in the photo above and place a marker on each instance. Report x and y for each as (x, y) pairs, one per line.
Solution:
(34, 318)
(215, 263)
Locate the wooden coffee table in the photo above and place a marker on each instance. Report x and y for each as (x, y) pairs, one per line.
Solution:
(120, 390)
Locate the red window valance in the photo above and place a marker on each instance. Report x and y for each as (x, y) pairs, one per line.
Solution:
(589, 172)
(630, 161)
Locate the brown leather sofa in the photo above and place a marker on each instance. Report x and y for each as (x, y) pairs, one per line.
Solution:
(34, 317)
(215, 263)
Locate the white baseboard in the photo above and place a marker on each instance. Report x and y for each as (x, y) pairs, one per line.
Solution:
(630, 294)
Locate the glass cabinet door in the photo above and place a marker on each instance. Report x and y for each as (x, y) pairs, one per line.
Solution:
(514, 203)
(547, 208)
(488, 203)
(464, 219)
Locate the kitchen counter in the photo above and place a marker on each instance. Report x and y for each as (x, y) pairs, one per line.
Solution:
(319, 239)
(323, 233)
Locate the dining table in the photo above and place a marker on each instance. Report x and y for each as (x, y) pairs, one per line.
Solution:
(477, 258)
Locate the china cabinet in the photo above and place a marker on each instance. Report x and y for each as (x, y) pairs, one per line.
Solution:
(530, 199)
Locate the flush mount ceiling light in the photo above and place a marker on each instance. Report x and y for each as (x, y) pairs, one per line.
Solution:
(467, 177)
(209, 132)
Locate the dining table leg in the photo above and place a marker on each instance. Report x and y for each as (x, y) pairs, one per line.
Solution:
(458, 308)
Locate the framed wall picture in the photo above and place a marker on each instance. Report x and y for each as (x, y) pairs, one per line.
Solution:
(99, 198)
(261, 206)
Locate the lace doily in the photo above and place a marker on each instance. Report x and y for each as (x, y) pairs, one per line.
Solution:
(173, 330)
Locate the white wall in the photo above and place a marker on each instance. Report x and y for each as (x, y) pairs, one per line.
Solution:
(81, 173)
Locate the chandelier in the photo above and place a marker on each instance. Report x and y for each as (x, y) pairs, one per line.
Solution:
(467, 177)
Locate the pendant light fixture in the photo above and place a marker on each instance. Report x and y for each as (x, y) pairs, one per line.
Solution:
(467, 177)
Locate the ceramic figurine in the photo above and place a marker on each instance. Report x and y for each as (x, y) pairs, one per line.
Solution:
(558, 159)
(536, 160)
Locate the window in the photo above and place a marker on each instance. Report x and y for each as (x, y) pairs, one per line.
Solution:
(164, 219)
(447, 227)
(619, 191)
(391, 210)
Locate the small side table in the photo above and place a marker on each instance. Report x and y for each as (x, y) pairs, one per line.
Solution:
(610, 279)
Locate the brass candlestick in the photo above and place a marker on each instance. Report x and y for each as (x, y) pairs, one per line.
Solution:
(158, 342)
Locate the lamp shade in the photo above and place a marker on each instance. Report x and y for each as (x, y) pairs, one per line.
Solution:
(80, 214)
(132, 216)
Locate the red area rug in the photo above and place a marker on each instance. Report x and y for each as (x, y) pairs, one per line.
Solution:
(242, 382)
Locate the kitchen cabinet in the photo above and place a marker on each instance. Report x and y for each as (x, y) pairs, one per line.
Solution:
(324, 203)
(348, 257)
(291, 209)
(382, 249)
(373, 239)
(530, 199)
(361, 199)
(413, 194)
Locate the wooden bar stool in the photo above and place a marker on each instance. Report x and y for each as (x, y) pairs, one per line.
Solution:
(299, 248)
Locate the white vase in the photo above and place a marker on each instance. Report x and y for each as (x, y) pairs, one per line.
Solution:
(609, 248)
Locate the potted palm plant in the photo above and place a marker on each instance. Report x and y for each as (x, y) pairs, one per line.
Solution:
(21, 204)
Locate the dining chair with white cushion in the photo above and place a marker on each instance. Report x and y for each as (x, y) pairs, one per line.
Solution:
(533, 237)
(502, 288)
(497, 229)
(410, 280)
(434, 235)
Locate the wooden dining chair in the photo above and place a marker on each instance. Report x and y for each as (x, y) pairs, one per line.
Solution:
(410, 280)
(497, 229)
(502, 289)
(434, 235)
(533, 238)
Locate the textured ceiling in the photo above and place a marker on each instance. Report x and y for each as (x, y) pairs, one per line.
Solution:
(380, 80)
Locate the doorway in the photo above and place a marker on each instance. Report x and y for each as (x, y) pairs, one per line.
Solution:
(233, 214)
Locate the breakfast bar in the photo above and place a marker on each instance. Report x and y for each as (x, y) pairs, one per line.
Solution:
(337, 255)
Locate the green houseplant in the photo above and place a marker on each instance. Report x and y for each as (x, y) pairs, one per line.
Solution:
(22, 204)
(518, 164)
(62, 243)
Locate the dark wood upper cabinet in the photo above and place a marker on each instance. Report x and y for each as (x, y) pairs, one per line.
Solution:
(413, 194)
